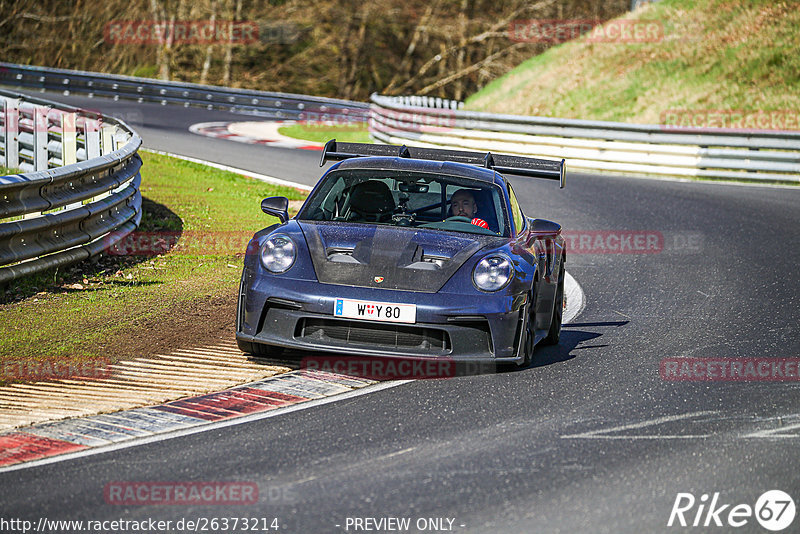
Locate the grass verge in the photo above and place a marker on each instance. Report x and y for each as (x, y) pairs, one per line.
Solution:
(711, 55)
(321, 133)
(118, 307)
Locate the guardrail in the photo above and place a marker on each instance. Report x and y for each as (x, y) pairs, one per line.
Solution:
(592, 145)
(79, 193)
(262, 103)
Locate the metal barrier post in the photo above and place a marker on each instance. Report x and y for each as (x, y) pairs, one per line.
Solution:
(69, 145)
(40, 125)
(107, 136)
(11, 134)
(91, 132)
(69, 139)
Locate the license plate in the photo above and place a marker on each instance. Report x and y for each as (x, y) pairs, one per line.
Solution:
(375, 311)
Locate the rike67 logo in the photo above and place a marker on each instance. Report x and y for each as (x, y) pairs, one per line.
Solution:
(774, 510)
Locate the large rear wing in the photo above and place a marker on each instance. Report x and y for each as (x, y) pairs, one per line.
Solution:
(517, 165)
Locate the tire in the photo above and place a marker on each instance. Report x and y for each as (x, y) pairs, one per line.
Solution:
(530, 335)
(258, 349)
(554, 334)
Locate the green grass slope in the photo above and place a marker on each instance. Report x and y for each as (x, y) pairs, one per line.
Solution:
(125, 306)
(711, 55)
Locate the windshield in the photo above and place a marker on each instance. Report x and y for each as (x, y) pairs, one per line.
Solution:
(409, 199)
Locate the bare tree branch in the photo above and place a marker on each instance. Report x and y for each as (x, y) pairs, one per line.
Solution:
(42, 18)
(418, 32)
(226, 73)
(210, 47)
(491, 32)
(469, 70)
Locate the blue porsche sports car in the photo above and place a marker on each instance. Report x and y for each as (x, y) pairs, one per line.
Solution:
(407, 252)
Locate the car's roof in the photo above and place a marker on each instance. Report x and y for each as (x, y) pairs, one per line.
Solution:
(450, 168)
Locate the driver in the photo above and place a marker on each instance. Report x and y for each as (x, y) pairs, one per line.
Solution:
(462, 204)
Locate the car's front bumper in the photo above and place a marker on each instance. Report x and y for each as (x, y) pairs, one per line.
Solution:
(299, 315)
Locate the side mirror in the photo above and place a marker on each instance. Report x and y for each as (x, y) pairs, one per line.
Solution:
(276, 206)
(540, 228)
(547, 232)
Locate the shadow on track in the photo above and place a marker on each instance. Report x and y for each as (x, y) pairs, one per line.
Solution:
(383, 369)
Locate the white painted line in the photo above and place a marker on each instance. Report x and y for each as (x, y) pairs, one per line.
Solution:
(204, 427)
(393, 454)
(600, 434)
(249, 174)
(699, 181)
(645, 436)
(779, 432)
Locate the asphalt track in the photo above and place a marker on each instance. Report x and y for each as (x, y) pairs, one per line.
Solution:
(590, 438)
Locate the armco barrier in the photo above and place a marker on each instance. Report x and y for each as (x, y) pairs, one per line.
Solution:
(78, 190)
(591, 145)
(427, 121)
(261, 103)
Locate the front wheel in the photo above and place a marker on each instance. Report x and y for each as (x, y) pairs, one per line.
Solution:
(554, 334)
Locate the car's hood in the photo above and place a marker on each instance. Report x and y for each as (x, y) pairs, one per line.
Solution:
(387, 257)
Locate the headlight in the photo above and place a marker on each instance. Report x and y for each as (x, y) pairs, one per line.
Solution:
(492, 273)
(278, 254)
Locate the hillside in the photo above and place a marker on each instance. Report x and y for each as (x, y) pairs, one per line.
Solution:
(338, 48)
(712, 55)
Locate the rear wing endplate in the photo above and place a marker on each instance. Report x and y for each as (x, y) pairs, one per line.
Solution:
(502, 163)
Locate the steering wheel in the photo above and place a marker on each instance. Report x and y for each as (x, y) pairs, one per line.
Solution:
(458, 218)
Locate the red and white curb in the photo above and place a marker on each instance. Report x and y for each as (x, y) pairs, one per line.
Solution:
(254, 133)
(254, 400)
(60, 440)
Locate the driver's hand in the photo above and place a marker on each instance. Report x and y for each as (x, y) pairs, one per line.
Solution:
(480, 222)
